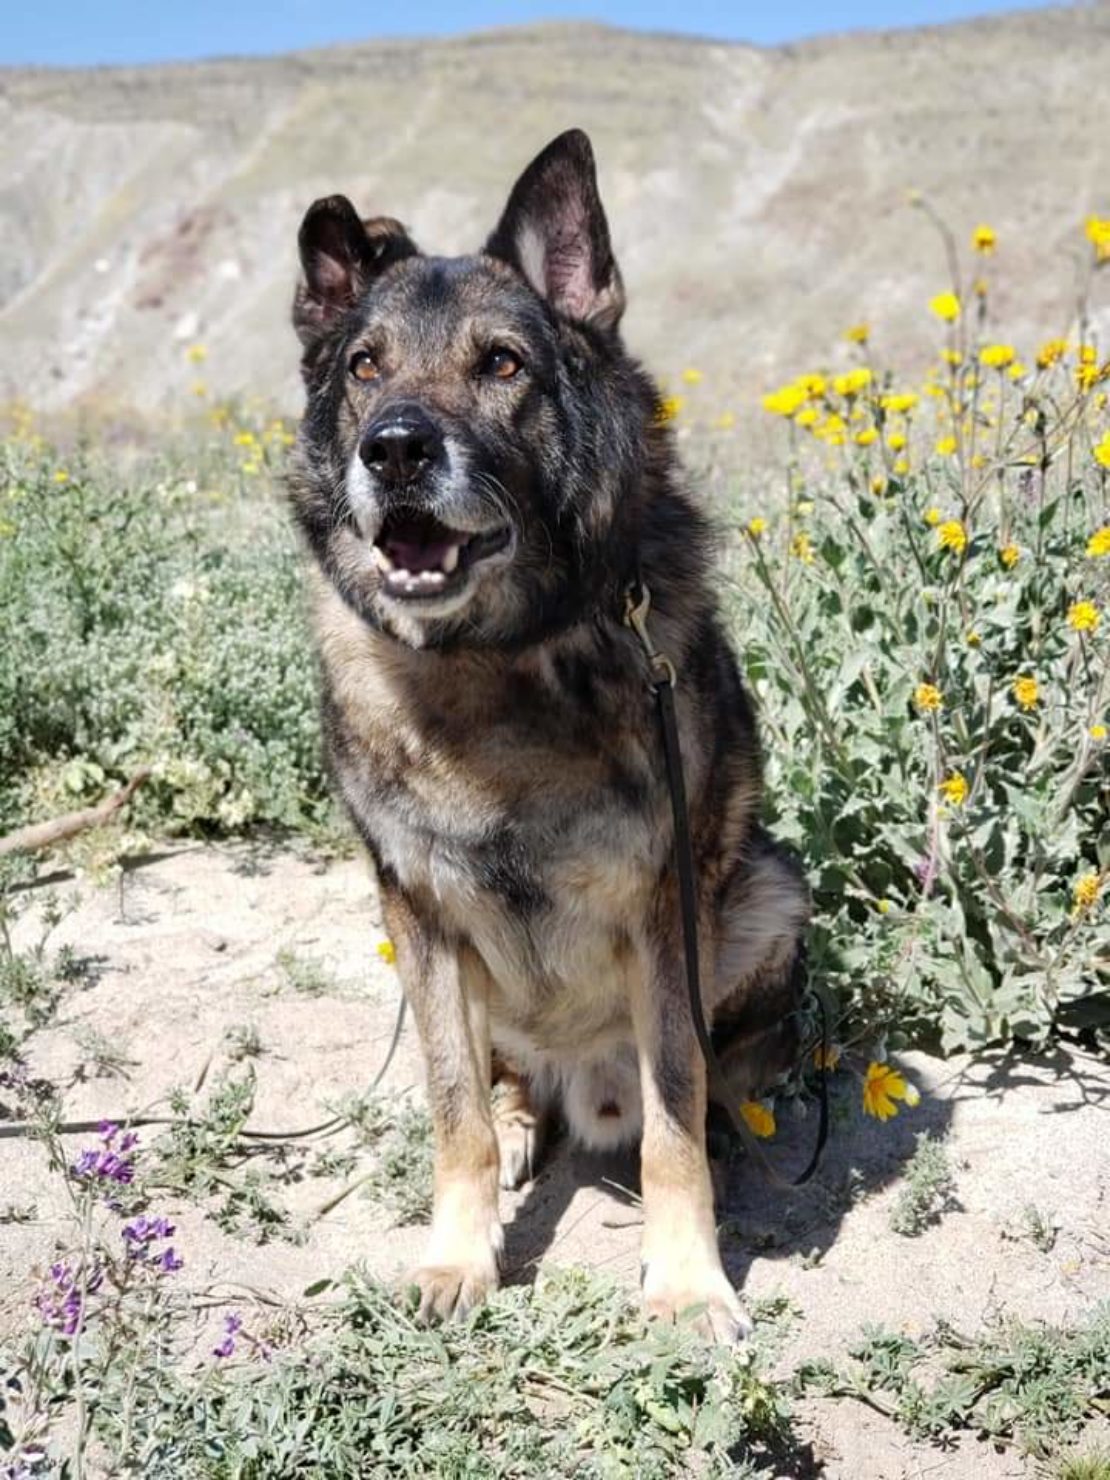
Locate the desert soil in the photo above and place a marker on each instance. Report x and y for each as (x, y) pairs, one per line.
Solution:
(189, 950)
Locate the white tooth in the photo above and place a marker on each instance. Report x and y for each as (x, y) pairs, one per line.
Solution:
(380, 558)
(451, 559)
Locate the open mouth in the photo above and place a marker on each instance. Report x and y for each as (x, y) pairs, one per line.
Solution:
(420, 558)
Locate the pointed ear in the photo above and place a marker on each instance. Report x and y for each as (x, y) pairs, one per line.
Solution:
(554, 232)
(340, 255)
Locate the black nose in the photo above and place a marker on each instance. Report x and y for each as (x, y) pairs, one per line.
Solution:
(401, 445)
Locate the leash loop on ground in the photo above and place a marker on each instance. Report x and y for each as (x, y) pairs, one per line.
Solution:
(637, 605)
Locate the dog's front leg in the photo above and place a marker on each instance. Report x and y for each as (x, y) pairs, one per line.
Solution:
(450, 1006)
(680, 1262)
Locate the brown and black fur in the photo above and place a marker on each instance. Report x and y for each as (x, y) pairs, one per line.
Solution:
(498, 750)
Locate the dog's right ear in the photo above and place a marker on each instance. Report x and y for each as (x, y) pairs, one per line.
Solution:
(340, 256)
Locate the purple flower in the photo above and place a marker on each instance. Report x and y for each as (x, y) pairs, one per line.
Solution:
(61, 1304)
(233, 1324)
(104, 1166)
(141, 1234)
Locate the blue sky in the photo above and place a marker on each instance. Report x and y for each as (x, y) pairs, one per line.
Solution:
(82, 32)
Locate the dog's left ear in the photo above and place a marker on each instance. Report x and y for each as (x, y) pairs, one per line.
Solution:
(554, 232)
(340, 255)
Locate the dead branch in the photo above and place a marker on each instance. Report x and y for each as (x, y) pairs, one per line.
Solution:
(45, 834)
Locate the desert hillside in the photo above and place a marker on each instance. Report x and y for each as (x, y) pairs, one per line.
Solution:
(758, 197)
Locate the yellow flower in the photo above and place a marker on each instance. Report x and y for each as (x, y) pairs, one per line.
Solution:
(858, 334)
(946, 446)
(756, 526)
(805, 506)
(984, 240)
(899, 403)
(927, 696)
(882, 1086)
(245, 439)
(1102, 452)
(61, 476)
(826, 1058)
(196, 354)
(387, 951)
(896, 441)
(668, 408)
(759, 1118)
(1097, 732)
(1083, 616)
(807, 416)
(726, 421)
(901, 467)
(1087, 372)
(812, 386)
(801, 547)
(251, 467)
(997, 356)
(952, 536)
(946, 306)
(932, 516)
(691, 376)
(1026, 691)
(955, 788)
(973, 639)
(199, 389)
(852, 382)
(1016, 370)
(867, 436)
(883, 906)
(1085, 892)
(1050, 352)
(1098, 234)
(1009, 556)
(783, 402)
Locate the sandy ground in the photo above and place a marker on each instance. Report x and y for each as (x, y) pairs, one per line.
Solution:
(193, 952)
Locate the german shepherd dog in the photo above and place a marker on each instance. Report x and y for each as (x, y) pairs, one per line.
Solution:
(482, 474)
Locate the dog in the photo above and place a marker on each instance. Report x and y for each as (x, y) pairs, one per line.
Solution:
(481, 475)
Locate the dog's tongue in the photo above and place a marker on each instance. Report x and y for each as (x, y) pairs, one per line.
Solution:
(413, 556)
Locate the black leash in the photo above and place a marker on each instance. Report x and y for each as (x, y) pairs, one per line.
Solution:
(662, 683)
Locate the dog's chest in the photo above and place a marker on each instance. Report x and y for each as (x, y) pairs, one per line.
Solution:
(547, 886)
(536, 844)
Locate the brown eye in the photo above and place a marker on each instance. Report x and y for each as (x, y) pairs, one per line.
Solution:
(502, 364)
(362, 366)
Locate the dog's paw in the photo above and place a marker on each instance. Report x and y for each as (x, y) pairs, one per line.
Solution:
(450, 1291)
(520, 1136)
(709, 1303)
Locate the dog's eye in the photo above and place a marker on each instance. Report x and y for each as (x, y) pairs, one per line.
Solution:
(362, 366)
(502, 363)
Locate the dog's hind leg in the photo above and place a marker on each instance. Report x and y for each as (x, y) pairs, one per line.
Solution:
(757, 987)
(520, 1122)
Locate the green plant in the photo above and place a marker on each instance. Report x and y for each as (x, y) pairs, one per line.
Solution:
(204, 1155)
(1031, 1383)
(1094, 1465)
(149, 622)
(403, 1175)
(304, 975)
(928, 1190)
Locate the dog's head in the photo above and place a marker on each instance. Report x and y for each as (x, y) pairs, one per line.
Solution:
(475, 435)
